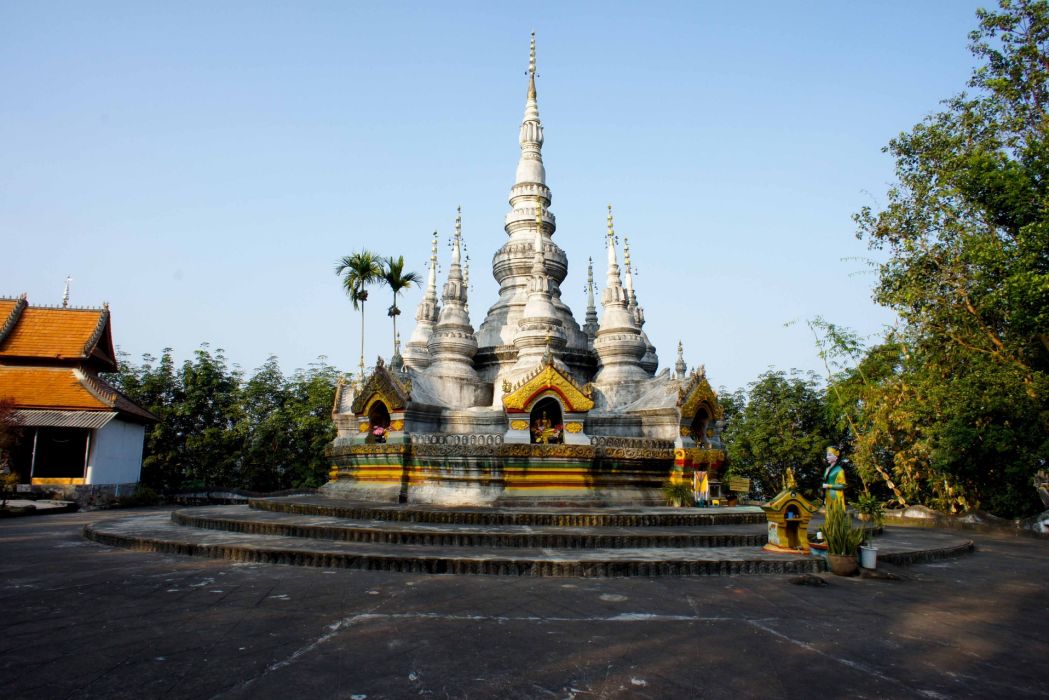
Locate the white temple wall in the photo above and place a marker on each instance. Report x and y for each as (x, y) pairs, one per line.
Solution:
(661, 424)
(115, 456)
(613, 424)
(474, 421)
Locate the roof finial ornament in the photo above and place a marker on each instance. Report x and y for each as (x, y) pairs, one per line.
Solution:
(531, 57)
(457, 239)
(65, 292)
(591, 325)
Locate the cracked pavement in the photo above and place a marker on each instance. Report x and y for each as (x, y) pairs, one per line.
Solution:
(82, 620)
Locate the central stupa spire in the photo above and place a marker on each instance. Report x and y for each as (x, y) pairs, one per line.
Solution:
(514, 264)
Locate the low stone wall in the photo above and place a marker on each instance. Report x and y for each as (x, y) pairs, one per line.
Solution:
(977, 521)
(86, 496)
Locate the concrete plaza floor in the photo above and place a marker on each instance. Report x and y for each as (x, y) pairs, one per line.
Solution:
(82, 620)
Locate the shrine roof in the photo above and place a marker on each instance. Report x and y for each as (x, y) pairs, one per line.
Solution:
(547, 377)
(59, 334)
(65, 388)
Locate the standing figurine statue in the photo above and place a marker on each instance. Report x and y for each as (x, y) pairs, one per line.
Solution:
(834, 478)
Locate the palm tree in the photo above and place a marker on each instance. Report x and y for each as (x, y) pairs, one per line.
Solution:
(357, 272)
(394, 276)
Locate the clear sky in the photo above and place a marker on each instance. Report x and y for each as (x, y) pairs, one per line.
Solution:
(201, 165)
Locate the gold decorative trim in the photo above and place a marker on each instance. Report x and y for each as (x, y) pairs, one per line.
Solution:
(574, 427)
(397, 425)
(362, 427)
(519, 425)
(548, 379)
(521, 451)
(382, 385)
(696, 394)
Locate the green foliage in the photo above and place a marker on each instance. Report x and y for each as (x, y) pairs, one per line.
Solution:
(217, 429)
(357, 272)
(780, 421)
(10, 434)
(841, 537)
(394, 276)
(954, 410)
(678, 493)
(870, 505)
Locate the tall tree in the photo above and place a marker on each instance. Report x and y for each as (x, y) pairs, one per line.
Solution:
(397, 280)
(357, 272)
(967, 235)
(264, 433)
(780, 421)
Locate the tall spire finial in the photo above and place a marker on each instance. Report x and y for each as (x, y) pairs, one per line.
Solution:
(628, 272)
(65, 292)
(531, 57)
(531, 69)
(610, 244)
(591, 325)
(457, 240)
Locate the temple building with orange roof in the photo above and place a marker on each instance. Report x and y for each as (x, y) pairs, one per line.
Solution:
(76, 428)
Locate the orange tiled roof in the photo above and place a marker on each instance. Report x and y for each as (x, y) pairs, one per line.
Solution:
(47, 387)
(6, 307)
(60, 334)
(65, 388)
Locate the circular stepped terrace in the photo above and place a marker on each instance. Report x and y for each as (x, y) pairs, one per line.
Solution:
(325, 532)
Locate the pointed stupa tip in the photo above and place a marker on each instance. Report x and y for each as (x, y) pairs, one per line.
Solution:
(591, 309)
(531, 68)
(457, 239)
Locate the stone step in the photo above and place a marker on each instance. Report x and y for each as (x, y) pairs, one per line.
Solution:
(158, 533)
(538, 517)
(241, 519)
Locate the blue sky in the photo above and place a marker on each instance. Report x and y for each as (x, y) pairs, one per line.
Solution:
(201, 165)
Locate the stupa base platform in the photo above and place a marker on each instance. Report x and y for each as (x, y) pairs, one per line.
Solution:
(330, 533)
(468, 471)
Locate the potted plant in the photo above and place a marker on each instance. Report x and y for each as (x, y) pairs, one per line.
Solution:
(870, 510)
(843, 540)
(678, 494)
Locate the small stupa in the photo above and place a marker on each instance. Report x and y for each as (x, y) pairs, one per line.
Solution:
(530, 406)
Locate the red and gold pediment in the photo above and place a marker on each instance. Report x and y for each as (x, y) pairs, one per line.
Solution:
(547, 381)
(697, 394)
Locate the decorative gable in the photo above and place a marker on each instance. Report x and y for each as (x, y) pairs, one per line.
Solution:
(548, 379)
(382, 385)
(698, 394)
